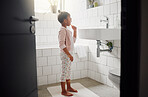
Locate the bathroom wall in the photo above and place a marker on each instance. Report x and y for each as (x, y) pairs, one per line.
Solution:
(49, 66)
(98, 68)
(48, 58)
(47, 29)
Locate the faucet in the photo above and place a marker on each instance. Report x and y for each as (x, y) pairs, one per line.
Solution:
(102, 50)
(107, 21)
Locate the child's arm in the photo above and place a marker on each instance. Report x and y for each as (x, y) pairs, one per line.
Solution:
(75, 33)
(61, 37)
(74, 36)
(69, 55)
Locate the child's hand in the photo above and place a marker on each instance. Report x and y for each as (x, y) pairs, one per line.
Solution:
(71, 57)
(74, 28)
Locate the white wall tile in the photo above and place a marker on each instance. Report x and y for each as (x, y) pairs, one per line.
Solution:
(56, 69)
(94, 12)
(90, 67)
(52, 60)
(116, 63)
(108, 54)
(51, 79)
(98, 60)
(42, 38)
(37, 25)
(73, 66)
(55, 51)
(58, 59)
(103, 69)
(83, 73)
(120, 43)
(106, 9)
(50, 23)
(98, 68)
(75, 58)
(114, 8)
(37, 40)
(38, 53)
(107, 1)
(39, 16)
(47, 16)
(100, 11)
(103, 79)
(55, 23)
(43, 24)
(93, 57)
(103, 60)
(115, 52)
(89, 73)
(119, 52)
(72, 75)
(89, 12)
(94, 67)
(76, 74)
(116, 43)
(80, 65)
(109, 83)
(54, 17)
(83, 59)
(47, 31)
(39, 71)
(39, 31)
(92, 75)
(111, 21)
(97, 21)
(119, 7)
(42, 80)
(42, 61)
(86, 65)
(47, 70)
(47, 52)
(110, 61)
(46, 27)
(98, 77)
(58, 78)
(113, 1)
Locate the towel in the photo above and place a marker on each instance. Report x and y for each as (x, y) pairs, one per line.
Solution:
(81, 51)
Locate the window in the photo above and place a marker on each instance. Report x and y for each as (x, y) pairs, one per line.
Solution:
(44, 6)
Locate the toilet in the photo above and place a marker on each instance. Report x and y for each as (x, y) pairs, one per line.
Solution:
(114, 76)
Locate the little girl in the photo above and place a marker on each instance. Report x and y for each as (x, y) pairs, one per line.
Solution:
(66, 44)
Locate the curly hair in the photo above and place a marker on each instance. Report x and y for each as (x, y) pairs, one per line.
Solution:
(62, 15)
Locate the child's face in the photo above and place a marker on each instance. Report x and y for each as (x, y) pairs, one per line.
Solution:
(68, 20)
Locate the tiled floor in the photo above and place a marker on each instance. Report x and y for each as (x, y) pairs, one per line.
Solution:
(96, 87)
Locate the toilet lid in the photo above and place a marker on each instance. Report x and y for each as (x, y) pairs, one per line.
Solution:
(115, 71)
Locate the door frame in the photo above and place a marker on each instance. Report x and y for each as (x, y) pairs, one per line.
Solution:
(134, 49)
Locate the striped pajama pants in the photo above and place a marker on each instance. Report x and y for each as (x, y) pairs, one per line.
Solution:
(66, 66)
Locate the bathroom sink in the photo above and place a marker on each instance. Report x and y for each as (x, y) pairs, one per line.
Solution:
(99, 33)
